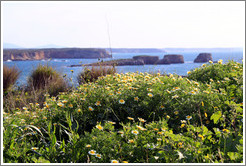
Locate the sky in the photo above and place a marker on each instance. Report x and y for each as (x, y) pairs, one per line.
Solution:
(124, 24)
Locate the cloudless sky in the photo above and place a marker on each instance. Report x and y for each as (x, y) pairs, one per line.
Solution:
(157, 24)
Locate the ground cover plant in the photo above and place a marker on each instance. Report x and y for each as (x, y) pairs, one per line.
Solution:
(135, 118)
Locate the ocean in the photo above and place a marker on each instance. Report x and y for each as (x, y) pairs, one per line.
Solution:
(61, 65)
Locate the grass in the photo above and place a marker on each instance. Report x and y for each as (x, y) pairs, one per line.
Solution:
(46, 78)
(10, 76)
(135, 118)
(93, 73)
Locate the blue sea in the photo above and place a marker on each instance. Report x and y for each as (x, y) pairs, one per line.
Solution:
(61, 65)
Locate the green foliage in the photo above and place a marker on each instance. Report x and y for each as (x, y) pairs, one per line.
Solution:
(132, 117)
(91, 75)
(46, 78)
(10, 76)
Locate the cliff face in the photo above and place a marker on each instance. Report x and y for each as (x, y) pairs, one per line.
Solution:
(39, 54)
(147, 59)
(203, 57)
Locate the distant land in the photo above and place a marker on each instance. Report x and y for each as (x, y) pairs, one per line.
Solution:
(136, 50)
(51, 53)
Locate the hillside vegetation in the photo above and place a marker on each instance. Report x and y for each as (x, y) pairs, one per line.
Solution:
(135, 118)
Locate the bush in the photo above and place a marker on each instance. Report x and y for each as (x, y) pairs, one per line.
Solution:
(10, 76)
(91, 75)
(172, 119)
(47, 79)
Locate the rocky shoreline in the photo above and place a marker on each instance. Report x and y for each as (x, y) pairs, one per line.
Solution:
(58, 53)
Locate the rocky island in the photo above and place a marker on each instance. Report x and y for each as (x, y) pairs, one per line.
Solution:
(140, 60)
(51, 53)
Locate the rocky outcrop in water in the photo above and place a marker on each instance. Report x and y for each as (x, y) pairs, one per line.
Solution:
(61, 53)
(147, 59)
(120, 62)
(203, 57)
(173, 58)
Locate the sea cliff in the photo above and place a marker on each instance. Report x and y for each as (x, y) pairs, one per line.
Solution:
(58, 53)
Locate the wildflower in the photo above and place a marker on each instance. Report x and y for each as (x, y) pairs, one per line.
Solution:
(168, 91)
(79, 110)
(162, 107)
(60, 104)
(141, 120)
(201, 136)
(70, 106)
(36, 104)
(135, 132)
(44, 118)
(188, 117)
(92, 152)
(111, 122)
(55, 124)
(155, 129)
(226, 130)
(88, 146)
(83, 99)
(136, 98)
(131, 141)
(210, 62)
(168, 117)
(99, 127)
(118, 92)
(71, 71)
(64, 101)
(150, 95)
(124, 161)
(34, 148)
(163, 129)
(121, 101)
(25, 108)
(188, 72)
(176, 112)
(175, 96)
(130, 118)
(220, 61)
(180, 144)
(182, 125)
(90, 108)
(114, 161)
(160, 133)
(226, 79)
(98, 103)
(206, 92)
(192, 93)
(159, 139)
(203, 65)
(205, 114)
(120, 132)
(148, 89)
(98, 155)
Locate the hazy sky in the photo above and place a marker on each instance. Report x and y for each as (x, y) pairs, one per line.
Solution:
(136, 24)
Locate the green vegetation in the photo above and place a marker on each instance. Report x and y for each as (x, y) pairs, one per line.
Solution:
(136, 118)
(92, 74)
(10, 76)
(45, 77)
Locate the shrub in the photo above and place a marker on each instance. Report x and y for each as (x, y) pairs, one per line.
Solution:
(172, 119)
(10, 76)
(46, 78)
(91, 75)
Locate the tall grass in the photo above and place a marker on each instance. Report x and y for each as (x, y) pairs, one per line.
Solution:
(91, 75)
(10, 76)
(44, 77)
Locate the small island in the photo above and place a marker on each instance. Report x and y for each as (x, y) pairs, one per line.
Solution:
(140, 60)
